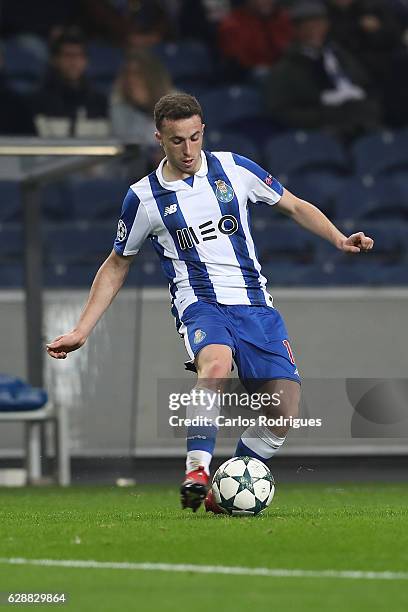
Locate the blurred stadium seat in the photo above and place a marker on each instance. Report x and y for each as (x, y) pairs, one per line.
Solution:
(280, 241)
(296, 152)
(225, 105)
(103, 60)
(11, 275)
(185, 60)
(320, 187)
(10, 202)
(371, 198)
(381, 152)
(11, 242)
(104, 64)
(78, 242)
(23, 68)
(56, 202)
(70, 275)
(98, 198)
(231, 141)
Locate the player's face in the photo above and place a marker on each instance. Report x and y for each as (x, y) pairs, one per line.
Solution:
(182, 141)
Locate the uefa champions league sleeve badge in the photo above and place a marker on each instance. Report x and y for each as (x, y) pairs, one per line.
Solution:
(224, 193)
(122, 231)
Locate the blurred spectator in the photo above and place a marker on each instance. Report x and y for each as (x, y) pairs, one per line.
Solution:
(371, 31)
(114, 21)
(368, 29)
(67, 105)
(255, 35)
(141, 82)
(15, 116)
(200, 19)
(319, 85)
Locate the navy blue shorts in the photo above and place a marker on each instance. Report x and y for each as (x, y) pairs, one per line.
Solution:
(256, 334)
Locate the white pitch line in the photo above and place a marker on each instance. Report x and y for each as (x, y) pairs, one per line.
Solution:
(209, 569)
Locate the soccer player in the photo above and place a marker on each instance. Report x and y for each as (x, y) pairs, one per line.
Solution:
(194, 209)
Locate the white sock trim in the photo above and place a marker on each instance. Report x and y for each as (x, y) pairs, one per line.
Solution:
(262, 441)
(195, 458)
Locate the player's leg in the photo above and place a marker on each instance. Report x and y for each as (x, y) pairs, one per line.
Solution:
(264, 442)
(213, 364)
(265, 365)
(209, 343)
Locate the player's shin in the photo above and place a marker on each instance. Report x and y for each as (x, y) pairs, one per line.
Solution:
(259, 442)
(202, 413)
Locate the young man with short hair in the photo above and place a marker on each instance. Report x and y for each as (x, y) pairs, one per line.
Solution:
(194, 208)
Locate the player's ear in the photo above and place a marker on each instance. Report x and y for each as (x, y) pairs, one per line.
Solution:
(158, 137)
(202, 129)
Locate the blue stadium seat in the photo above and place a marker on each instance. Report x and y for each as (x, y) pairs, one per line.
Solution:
(146, 273)
(225, 105)
(11, 275)
(185, 60)
(379, 153)
(11, 242)
(57, 202)
(98, 199)
(74, 243)
(104, 61)
(369, 198)
(400, 179)
(280, 241)
(69, 275)
(227, 141)
(21, 63)
(10, 201)
(394, 275)
(296, 152)
(283, 273)
(319, 187)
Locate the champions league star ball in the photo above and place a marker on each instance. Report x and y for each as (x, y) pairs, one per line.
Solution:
(243, 486)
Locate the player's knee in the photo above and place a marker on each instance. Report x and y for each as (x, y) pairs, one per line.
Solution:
(284, 404)
(215, 368)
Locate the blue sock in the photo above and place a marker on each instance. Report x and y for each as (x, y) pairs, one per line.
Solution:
(258, 442)
(201, 438)
(200, 447)
(243, 451)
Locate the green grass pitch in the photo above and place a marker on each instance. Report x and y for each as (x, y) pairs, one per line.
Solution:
(307, 527)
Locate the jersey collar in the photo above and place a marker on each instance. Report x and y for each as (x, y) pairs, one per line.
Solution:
(180, 184)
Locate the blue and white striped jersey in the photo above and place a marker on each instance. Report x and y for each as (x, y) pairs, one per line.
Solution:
(200, 229)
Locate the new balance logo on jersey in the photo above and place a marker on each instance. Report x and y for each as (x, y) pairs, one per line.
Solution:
(187, 236)
(170, 210)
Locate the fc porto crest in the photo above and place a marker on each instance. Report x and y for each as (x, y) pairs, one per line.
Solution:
(224, 193)
(199, 336)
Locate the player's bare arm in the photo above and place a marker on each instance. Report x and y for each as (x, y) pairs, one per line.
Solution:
(311, 218)
(108, 280)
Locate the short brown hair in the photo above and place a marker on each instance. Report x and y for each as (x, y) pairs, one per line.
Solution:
(176, 106)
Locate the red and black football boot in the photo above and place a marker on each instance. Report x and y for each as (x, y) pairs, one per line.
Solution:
(194, 488)
(210, 504)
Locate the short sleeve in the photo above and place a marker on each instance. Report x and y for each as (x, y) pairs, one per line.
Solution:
(261, 186)
(133, 226)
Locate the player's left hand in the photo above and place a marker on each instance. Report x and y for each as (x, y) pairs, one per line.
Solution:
(357, 243)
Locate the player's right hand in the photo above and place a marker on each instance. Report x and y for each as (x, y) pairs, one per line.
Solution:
(62, 345)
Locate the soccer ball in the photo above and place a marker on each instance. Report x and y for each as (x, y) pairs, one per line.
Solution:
(243, 486)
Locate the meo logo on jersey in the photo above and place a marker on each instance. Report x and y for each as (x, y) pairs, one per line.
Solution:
(122, 231)
(224, 193)
(187, 236)
(170, 210)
